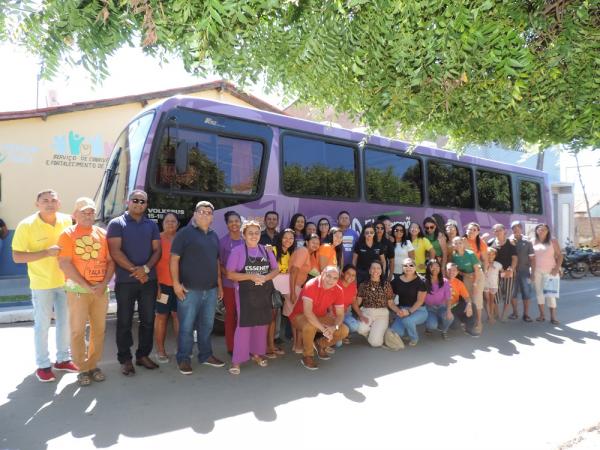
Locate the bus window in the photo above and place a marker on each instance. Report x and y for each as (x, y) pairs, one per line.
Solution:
(493, 191)
(449, 185)
(315, 168)
(392, 178)
(200, 161)
(531, 197)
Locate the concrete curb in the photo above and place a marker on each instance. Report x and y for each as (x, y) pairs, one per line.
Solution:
(14, 314)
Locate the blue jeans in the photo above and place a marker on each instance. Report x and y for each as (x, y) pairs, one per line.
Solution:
(44, 301)
(523, 286)
(351, 321)
(436, 316)
(409, 324)
(196, 312)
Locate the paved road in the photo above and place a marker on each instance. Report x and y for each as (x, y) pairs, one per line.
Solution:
(525, 386)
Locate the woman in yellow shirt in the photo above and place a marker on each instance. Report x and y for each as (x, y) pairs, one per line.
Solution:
(284, 247)
(423, 248)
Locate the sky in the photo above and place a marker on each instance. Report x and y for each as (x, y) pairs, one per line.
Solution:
(131, 72)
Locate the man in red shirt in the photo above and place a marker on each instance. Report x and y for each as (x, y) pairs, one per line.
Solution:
(310, 315)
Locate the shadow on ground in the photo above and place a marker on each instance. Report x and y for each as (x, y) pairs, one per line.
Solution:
(164, 400)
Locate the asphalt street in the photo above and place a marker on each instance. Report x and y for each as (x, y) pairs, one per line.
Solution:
(521, 385)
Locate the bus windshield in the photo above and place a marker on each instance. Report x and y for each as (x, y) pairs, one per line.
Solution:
(122, 168)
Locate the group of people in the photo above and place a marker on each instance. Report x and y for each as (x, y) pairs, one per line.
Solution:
(311, 282)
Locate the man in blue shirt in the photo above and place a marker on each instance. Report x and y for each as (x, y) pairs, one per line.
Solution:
(134, 244)
(195, 269)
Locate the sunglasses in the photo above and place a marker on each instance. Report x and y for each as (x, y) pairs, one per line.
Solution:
(430, 227)
(140, 201)
(204, 212)
(408, 265)
(399, 230)
(379, 228)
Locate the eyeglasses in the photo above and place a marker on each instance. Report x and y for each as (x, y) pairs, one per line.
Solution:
(323, 224)
(204, 212)
(140, 201)
(399, 230)
(430, 227)
(408, 265)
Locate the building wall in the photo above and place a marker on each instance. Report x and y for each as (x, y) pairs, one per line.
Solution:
(66, 152)
(583, 231)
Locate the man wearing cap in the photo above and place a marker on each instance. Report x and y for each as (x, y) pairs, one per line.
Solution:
(134, 244)
(34, 243)
(523, 285)
(88, 268)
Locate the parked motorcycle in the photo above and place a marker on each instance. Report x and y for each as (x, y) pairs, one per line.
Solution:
(594, 263)
(575, 264)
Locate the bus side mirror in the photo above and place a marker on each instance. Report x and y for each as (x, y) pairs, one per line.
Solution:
(181, 158)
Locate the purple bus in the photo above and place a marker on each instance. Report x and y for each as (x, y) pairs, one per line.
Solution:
(183, 150)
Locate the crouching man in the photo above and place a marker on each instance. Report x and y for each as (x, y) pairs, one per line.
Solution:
(310, 315)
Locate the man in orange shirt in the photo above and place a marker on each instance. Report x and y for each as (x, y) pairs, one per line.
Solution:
(460, 301)
(88, 267)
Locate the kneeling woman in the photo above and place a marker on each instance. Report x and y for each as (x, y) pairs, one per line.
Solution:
(252, 269)
(411, 291)
(371, 305)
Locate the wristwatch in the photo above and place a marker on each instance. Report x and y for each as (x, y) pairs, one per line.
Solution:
(146, 268)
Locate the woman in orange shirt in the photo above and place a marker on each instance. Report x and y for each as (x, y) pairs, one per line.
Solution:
(332, 253)
(166, 302)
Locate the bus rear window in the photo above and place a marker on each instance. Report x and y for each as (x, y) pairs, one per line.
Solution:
(449, 185)
(315, 168)
(392, 178)
(199, 161)
(531, 197)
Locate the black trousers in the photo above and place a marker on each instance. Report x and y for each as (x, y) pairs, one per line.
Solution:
(460, 314)
(145, 295)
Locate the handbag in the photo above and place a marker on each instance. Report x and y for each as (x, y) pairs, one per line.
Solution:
(276, 299)
(551, 285)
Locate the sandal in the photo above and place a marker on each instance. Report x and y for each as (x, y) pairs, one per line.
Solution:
(527, 319)
(540, 319)
(97, 375)
(346, 341)
(271, 355)
(260, 361)
(279, 351)
(234, 370)
(554, 322)
(84, 379)
(513, 316)
(330, 350)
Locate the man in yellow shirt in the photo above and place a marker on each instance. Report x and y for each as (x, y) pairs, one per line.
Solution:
(34, 243)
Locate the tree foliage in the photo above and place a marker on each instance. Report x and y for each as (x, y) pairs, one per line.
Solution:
(477, 70)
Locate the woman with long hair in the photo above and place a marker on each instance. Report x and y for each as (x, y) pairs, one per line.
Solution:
(437, 300)
(366, 251)
(411, 290)
(323, 227)
(371, 303)
(403, 249)
(452, 231)
(386, 245)
(252, 268)
(478, 246)
(423, 248)
(548, 259)
(283, 249)
(166, 300)
(332, 252)
(437, 239)
(298, 224)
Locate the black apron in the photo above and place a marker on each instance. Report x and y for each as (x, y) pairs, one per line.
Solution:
(255, 301)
